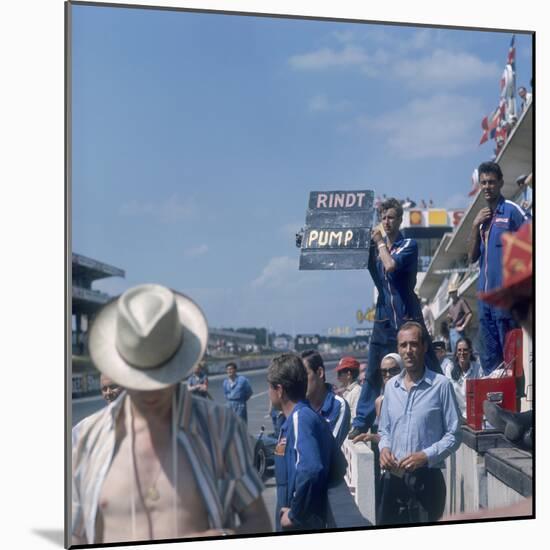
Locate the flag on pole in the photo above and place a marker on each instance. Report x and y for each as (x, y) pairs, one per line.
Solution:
(490, 124)
(496, 125)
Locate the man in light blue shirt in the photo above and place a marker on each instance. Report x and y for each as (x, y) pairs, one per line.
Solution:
(419, 427)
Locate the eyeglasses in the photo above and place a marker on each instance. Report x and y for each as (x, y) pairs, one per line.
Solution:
(390, 372)
(112, 387)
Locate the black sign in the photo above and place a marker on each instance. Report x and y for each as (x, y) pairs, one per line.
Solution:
(306, 341)
(337, 232)
(349, 237)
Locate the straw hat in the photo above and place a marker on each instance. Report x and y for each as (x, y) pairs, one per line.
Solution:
(149, 338)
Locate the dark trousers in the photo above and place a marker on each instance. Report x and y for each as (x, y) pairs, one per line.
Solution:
(493, 327)
(416, 497)
(383, 341)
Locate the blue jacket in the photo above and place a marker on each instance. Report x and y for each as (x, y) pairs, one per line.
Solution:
(508, 216)
(335, 410)
(303, 458)
(397, 301)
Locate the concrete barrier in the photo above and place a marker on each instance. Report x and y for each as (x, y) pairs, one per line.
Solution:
(486, 472)
(360, 478)
(509, 476)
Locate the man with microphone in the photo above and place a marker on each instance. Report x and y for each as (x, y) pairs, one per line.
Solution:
(499, 216)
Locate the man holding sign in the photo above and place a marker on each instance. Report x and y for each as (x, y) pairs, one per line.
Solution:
(393, 266)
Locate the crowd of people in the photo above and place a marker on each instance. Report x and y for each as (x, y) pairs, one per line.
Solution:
(164, 460)
(406, 203)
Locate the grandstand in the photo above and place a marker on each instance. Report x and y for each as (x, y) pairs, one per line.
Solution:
(85, 302)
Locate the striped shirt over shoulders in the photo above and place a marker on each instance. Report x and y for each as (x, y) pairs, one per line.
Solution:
(215, 441)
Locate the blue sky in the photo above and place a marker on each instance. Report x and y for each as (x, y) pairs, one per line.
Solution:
(198, 137)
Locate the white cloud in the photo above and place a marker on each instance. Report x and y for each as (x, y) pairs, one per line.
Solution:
(327, 58)
(424, 60)
(278, 272)
(321, 103)
(444, 69)
(170, 210)
(196, 251)
(345, 37)
(441, 126)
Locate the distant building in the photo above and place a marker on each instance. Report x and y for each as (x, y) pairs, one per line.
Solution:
(85, 303)
(223, 342)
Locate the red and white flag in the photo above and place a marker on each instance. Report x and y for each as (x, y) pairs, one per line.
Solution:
(495, 125)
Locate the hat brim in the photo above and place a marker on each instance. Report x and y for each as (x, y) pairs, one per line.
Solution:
(105, 356)
(347, 367)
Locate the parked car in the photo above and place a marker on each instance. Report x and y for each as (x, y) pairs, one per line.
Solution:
(264, 453)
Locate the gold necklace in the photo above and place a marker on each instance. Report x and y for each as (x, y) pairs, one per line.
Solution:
(152, 492)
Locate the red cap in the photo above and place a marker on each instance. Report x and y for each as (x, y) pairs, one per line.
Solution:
(347, 363)
(517, 269)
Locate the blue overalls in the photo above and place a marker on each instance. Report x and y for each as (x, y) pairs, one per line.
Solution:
(397, 303)
(237, 393)
(302, 464)
(494, 322)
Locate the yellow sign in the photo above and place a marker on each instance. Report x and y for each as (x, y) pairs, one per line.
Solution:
(437, 217)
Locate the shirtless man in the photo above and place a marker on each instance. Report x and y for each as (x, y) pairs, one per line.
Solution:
(148, 466)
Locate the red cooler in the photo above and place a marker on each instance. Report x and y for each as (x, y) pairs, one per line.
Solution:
(499, 390)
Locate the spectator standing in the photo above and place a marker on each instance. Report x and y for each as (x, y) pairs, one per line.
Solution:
(526, 193)
(463, 367)
(347, 372)
(237, 391)
(526, 98)
(419, 428)
(499, 216)
(333, 408)
(391, 366)
(393, 264)
(428, 317)
(459, 316)
(441, 351)
(362, 373)
(110, 390)
(197, 383)
(305, 449)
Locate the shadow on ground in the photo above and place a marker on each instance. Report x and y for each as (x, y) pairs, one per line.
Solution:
(53, 535)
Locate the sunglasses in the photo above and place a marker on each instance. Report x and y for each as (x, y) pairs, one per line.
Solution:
(390, 372)
(112, 387)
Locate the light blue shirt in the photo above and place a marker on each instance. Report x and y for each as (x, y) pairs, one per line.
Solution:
(426, 418)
